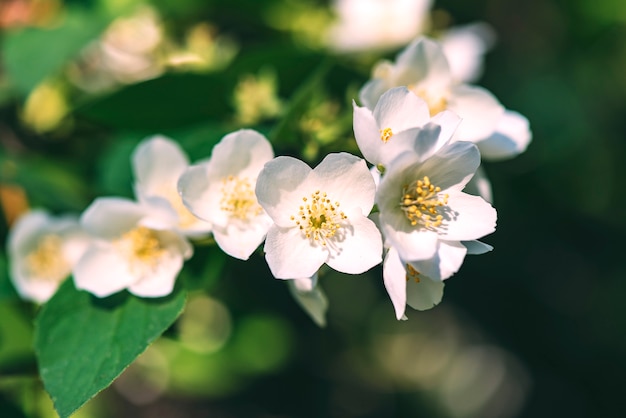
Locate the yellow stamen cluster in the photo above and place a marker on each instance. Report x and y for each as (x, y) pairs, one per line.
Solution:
(238, 198)
(46, 262)
(436, 104)
(141, 245)
(411, 273)
(386, 134)
(319, 219)
(421, 203)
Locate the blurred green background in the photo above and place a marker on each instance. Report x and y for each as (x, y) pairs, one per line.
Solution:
(533, 329)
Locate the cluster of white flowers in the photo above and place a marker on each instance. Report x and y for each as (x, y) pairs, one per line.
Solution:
(419, 207)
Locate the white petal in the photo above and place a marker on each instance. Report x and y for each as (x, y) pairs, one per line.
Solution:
(157, 163)
(400, 109)
(25, 232)
(30, 288)
(473, 218)
(313, 302)
(446, 262)
(158, 213)
(240, 241)
(464, 47)
(347, 180)
(161, 282)
(194, 188)
(110, 217)
(102, 271)
(424, 62)
(175, 243)
(427, 142)
(360, 249)
(75, 243)
(394, 276)
(451, 256)
(452, 167)
(371, 92)
(424, 295)
(479, 109)
(241, 153)
(449, 123)
(411, 243)
(479, 185)
(289, 254)
(277, 188)
(305, 284)
(511, 138)
(375, 175)
(476, 247)
(366, 133)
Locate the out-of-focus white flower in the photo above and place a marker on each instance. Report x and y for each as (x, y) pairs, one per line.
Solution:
(400, 122)
(221, 192)
(135, 246)
(320, 216)
(465, 47)
(158, 162)
(310, 297)
(423, 67)
(406, 286)
(424, 214)
(42, 251)
(125, 53)
(377, 24)
(128, 45)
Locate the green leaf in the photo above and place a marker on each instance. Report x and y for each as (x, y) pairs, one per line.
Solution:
(7, 291)
(16, 339)
(32, 54)
(83, 343)
(168, 102)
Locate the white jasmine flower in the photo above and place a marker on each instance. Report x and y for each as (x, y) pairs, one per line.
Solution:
(400, 122)
(311, 298)
(406, 286)
(158, 162)
(221, 192)
(42, 251)
(377, 24)
(320, 216)
(135, 246)
(424, 214)
(423, 67)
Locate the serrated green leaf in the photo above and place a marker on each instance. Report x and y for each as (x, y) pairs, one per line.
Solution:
(83, 343)
(32, 54)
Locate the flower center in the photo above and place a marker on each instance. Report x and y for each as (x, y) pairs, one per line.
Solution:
(238, 198)
(412, 274)
(436, 104)
(141, 245)
(318, 218)
(47, 261)
(422, 203)
(385, 134)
